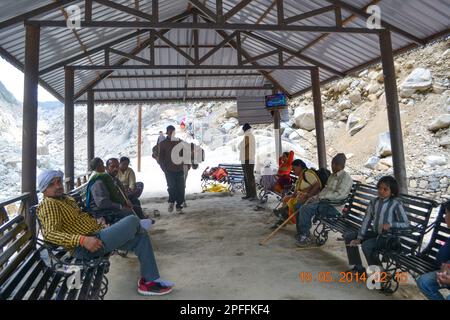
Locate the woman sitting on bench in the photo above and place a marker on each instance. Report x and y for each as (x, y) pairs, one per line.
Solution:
(384, 213)
(284, 171)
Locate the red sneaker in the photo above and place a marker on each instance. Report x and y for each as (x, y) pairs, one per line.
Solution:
(152, 288)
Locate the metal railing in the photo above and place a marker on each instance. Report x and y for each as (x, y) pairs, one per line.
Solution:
(78, 181)
(27, 200)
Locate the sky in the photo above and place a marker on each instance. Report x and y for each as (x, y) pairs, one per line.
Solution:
(12, 78)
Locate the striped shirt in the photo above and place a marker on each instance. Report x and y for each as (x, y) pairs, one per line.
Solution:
(379, 212)
(63, 222)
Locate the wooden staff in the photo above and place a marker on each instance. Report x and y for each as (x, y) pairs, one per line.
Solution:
(270, 236)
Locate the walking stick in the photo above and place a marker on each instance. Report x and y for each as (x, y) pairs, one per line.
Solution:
(126, 199)
(270, 236)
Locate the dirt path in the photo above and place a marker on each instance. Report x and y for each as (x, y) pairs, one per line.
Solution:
(212, 252)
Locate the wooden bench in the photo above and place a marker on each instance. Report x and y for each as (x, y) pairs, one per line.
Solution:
(32, 270)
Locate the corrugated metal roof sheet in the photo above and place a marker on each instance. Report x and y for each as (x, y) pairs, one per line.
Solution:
(342, 52)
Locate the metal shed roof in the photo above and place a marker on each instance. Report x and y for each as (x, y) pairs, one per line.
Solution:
(412, 23)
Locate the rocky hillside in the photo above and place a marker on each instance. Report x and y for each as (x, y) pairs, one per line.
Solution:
(355, 123)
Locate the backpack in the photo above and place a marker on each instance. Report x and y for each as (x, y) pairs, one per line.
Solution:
(323, 175)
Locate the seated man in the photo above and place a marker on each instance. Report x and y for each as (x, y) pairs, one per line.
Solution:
(64, 224)
(329, 201)
(103, 198)
(307, 186)
(112, 168)
(127, 177)
(430, 283)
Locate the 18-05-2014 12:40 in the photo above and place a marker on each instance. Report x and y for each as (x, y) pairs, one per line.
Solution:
(350, 277)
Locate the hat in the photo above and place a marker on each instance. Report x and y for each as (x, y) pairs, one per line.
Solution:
(246, 127)
(46, 177)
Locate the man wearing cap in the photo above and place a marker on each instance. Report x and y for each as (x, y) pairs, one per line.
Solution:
(64, 224)
(173, 169)
(247, 157)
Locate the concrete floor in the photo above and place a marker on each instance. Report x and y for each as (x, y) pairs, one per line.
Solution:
(212, 252)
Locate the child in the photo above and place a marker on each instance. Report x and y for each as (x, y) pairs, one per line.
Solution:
(384, 213)
(284, 171)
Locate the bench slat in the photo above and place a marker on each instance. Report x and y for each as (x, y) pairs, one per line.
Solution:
(38, 269)
(11, 223)
(11, 234)
(14, 247)
(11, 266)
(53, 285)
(18, 276)
(40, 286)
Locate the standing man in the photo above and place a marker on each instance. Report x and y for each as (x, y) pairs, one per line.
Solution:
(247, 157)
(172, 165)
(161, 137)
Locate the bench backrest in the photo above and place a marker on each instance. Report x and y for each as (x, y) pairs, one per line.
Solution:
(417, 209)
(16, 242)
(441, 232)
(234, 170)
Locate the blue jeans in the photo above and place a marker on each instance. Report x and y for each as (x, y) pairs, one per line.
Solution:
(126, 234)
(308, 211)
(429, 286)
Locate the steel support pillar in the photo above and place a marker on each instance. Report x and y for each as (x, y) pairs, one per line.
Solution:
(393, 110)
(318, 118)
(69, 158)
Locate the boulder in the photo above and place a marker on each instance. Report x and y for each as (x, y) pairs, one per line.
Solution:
(231, 111)
(384, 145)
(406, 92)
(418, 80)
(304, 118)
(441, 122)
(371, 163)
(355, 96)
(445, 141)
(227, 126)
(344, 104)
(373, 87)
(387, 161)
(436, 160)
(410, 64)
(343, 85)
(354, 124)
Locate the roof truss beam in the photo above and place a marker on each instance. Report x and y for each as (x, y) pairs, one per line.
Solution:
(203, 25)
(125, 9)
(236, 9)
(186, 88)
(307, 15)
(295, 54)
(44, 9)
(127, 55)
(192, 67)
